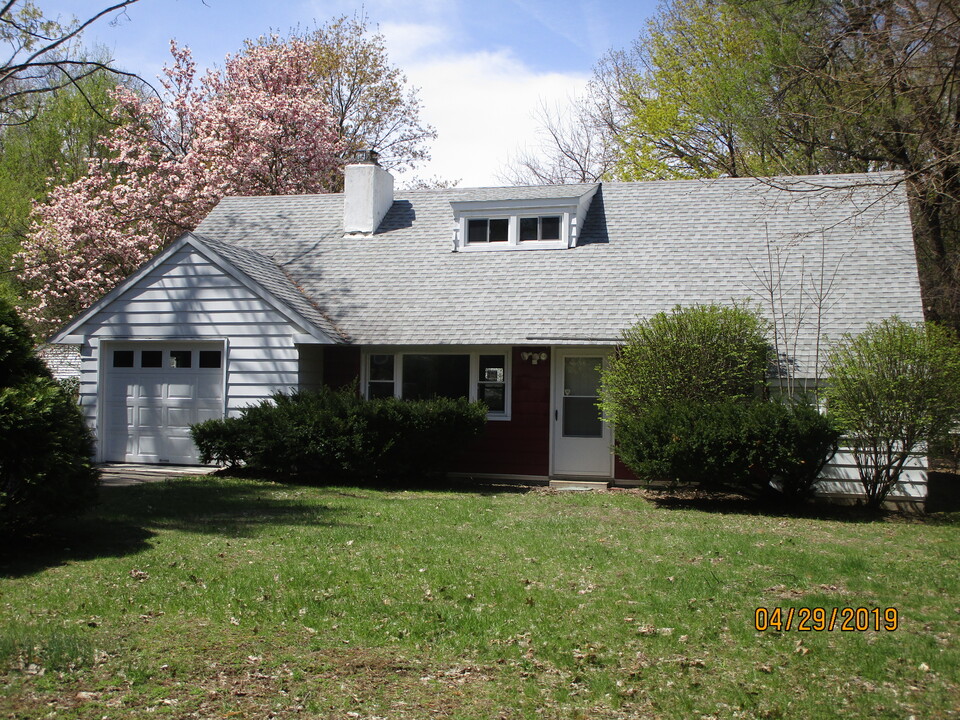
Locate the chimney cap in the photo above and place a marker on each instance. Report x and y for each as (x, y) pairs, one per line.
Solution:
(366, 157)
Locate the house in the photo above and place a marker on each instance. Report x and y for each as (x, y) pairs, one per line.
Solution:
(509, 295)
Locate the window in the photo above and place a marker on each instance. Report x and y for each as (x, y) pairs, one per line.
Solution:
(123, 358)
(540, 228)
(488, 231)
(424, 375)
(428, 376)
(209, 359)
(151, 358)
(380, 383)
(181, 359)
(492, 384)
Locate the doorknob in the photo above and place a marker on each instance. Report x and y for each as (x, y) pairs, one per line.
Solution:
(556, 415)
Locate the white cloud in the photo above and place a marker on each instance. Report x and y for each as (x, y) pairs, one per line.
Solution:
(482, 104)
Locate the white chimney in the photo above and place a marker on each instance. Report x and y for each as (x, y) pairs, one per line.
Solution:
(367, 194)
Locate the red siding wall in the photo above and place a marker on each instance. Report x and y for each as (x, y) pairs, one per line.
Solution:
(521, 445)
(621, 471)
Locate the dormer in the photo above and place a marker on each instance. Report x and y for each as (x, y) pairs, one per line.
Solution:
(526, 221)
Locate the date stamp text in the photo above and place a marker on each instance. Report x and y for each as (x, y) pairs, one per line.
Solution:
(822, 619)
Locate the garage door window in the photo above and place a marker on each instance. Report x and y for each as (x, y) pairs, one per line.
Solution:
(123, 358)
(181, 359)
(151, 358)
(209, 358)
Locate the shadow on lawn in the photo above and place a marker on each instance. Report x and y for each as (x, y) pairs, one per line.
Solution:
(437, 483)
(219, 508)
(71, 540)
(127, 517)
(732, 504)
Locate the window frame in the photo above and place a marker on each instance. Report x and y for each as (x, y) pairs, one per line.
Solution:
(473, 351)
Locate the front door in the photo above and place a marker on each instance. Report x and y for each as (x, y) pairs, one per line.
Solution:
(581, 439)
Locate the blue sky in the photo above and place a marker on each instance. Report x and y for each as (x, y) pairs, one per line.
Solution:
(505, 57)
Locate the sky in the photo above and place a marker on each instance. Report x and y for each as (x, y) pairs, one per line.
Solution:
(483, 67)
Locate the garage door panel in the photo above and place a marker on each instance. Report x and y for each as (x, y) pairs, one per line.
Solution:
(180, 417)
(149, 417)
(148, 445)
(181, 390)
(148, 411)
(149, 387)
(209, 388)
(204, 414)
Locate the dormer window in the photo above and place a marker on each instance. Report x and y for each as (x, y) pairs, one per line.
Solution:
(540, 228)
(524, 223)
(487, 230)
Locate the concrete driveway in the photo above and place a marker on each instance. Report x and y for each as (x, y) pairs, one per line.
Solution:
(121, 474)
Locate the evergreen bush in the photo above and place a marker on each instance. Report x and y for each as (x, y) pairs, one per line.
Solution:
(335, 434)
(45, 446)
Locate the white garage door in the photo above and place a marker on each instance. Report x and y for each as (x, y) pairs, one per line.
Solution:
(153, 393)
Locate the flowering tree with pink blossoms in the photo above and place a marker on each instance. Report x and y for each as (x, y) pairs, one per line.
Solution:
(256, 127)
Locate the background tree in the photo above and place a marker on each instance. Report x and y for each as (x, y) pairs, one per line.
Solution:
(52, 149)
(39, 55)
(894, 389)
(767, 87)
(371, 104)
(258, 126)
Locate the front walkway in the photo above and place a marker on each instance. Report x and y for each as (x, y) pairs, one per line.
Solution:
(120, 474)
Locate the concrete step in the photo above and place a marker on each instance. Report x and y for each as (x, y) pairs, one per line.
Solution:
(574, 485)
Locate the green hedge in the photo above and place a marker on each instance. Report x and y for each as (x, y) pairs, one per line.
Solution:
(748, 446)
(334, 434)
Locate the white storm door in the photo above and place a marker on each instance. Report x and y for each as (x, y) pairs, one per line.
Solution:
(582, 441)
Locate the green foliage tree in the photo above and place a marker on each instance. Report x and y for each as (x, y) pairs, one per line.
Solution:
(894, 389)
(45, 446)
(699, 353)
(54, 147)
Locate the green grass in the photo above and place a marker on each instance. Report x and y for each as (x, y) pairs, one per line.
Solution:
(234, 598)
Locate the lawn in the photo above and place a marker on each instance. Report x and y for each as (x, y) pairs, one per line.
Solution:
(219, 598)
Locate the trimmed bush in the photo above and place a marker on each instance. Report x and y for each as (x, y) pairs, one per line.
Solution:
(314, 435)
(752, 447)
(702, 353)
(45, 445)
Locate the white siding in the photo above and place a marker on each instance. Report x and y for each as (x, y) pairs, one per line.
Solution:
(841, 478)
(188, 298)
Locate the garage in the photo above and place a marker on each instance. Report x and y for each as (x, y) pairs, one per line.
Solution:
(152, 395)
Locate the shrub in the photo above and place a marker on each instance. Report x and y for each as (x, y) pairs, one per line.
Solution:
(751, 447)
(700, 353)
(795, 442)
(894, 389)
(337, 434)
(45, 446)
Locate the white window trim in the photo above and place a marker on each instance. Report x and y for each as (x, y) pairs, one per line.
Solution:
(473, 351)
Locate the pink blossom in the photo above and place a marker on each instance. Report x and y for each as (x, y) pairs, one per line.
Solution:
(256, 127)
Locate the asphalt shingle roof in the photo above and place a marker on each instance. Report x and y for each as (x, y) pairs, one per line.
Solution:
(644, 248)
(272, 278)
